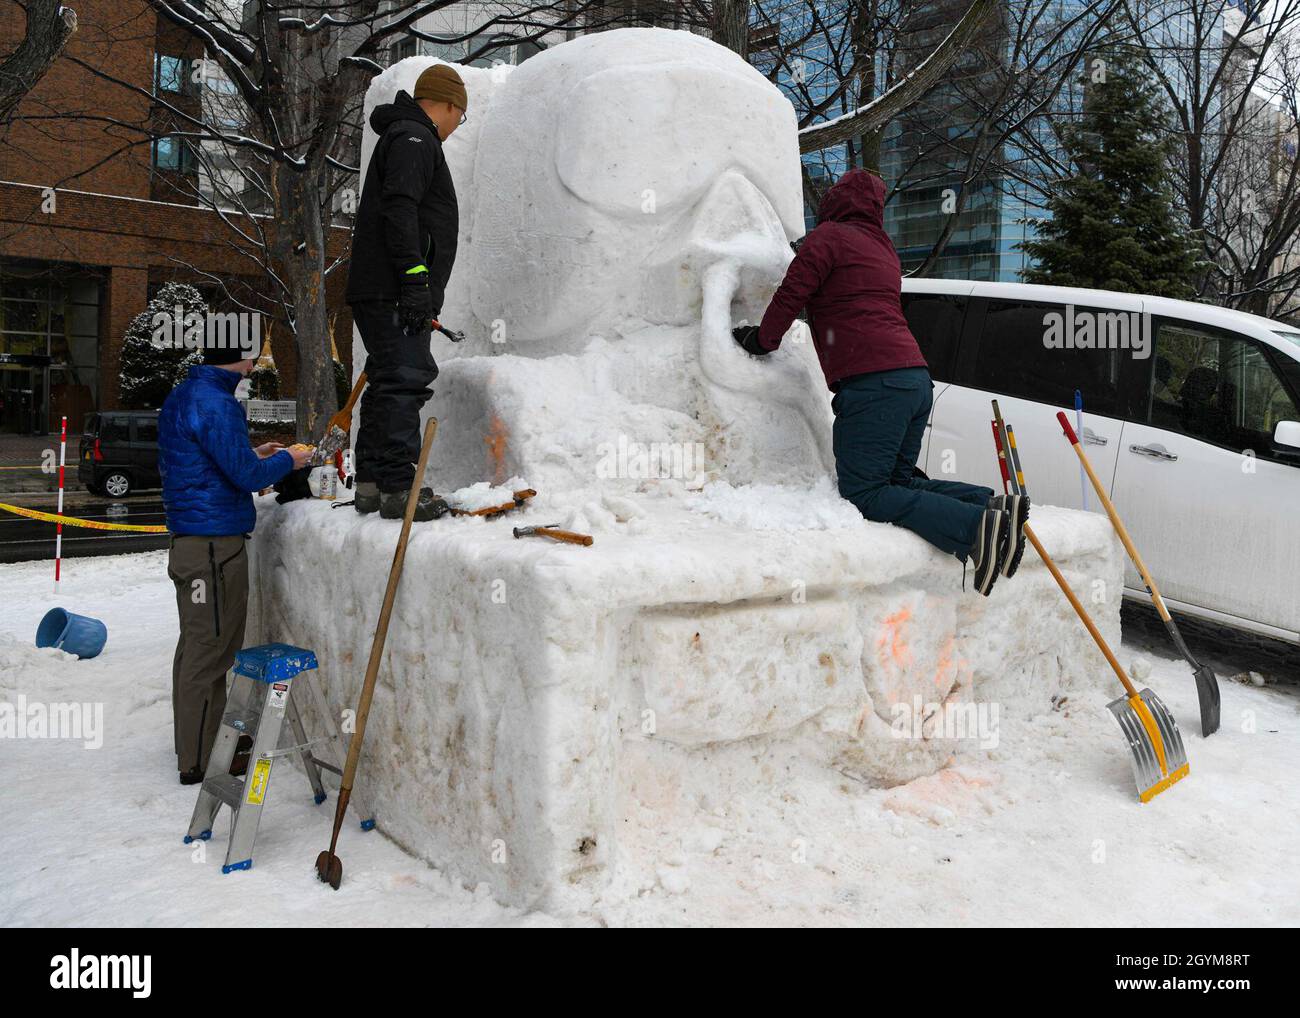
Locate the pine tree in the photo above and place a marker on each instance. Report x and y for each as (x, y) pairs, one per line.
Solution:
(149, 371)
(1113, 226)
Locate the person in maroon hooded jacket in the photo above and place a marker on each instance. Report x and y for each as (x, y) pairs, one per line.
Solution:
(847, 276)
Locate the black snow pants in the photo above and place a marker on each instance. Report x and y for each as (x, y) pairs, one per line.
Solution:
(399, 371)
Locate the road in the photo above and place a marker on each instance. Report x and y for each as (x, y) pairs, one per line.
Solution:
(24, 540)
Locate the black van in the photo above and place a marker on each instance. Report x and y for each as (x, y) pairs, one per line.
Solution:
(119, 452)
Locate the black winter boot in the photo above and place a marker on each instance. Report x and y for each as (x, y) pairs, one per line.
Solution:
(392, 505)
(366, 499)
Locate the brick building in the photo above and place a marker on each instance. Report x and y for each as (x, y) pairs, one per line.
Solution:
(93, 218)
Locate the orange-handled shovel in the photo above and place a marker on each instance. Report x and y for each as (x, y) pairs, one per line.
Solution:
(336, 435)
(1158, 756)
(1207, 684)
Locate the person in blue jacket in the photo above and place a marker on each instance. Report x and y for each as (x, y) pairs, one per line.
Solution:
(209, 471)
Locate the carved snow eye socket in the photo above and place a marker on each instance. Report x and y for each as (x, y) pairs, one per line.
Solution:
(619, 127)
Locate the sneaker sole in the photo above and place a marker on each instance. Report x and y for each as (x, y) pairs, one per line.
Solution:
(992, 576)
(1016, 539)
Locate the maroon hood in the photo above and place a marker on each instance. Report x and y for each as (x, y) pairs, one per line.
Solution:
(858, 196)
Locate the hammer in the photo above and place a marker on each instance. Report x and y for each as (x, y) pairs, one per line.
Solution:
(549, 530)
(452, 334)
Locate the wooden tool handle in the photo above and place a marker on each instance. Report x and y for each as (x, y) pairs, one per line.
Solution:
(355, 394)
(565, 535)
(1113, 513)
(343, 419)
(1079, 610)
(386, 612)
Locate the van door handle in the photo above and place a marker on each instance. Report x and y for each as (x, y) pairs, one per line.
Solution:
(1156, 452)
(1090, 437)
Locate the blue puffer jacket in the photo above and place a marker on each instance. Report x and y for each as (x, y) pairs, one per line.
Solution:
(208, 468)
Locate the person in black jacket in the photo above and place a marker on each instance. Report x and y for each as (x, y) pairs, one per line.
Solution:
(403, 247)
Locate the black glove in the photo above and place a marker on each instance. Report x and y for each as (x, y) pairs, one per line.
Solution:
(415, 305)
(747, 337)
(294, 486)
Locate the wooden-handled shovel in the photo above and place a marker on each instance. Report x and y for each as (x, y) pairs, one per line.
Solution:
(1207, 684)
(328, 865)
(336, 434)
(1158, 756)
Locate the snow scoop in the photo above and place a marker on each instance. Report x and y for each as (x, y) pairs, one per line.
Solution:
(1154, 741)
(329, 867)
(336, 435)
(549, 530)
(1207, 684)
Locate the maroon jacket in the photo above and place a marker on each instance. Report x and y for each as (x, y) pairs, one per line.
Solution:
(847, 275)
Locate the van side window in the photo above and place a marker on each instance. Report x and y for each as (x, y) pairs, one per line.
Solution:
(146, 429)
(1216, 387)
(115, 429)
(1019, 355)
(936, 320)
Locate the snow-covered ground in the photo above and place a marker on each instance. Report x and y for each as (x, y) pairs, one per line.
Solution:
(1044, 828)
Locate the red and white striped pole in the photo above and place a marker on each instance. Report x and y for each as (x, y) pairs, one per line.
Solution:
(58, 527)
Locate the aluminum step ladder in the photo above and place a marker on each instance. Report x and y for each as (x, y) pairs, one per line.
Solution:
(267, 683)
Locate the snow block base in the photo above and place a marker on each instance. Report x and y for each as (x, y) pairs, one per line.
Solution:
(533, 694)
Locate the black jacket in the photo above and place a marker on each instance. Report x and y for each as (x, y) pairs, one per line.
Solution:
(408, 214)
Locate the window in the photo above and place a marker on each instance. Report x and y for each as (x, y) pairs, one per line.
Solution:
(936, 321)
(169, 74)
(528, 48)
(1015, 358)
(1217, 387)
(115, 429)
(401, 50)
(146, 429)
(172, 154)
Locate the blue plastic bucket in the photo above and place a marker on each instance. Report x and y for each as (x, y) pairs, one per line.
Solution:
(76, 634)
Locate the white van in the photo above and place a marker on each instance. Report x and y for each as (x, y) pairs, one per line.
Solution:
(1191, 415)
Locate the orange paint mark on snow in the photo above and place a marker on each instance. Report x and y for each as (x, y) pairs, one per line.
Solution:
(892, 638)
(495, 440)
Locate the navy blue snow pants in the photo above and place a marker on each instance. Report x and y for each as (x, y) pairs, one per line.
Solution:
(880, 421)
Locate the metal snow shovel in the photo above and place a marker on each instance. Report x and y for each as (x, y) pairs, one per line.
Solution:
(1207, 684)
(329, 867)
(1159, 758)
(1154, 741)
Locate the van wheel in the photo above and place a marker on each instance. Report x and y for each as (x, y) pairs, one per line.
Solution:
(117, 484)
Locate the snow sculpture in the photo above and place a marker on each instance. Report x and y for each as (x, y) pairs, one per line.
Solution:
(549, 718)
(626, 198)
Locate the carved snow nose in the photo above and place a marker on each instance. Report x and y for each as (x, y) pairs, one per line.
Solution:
(735, 220)
(734, 224)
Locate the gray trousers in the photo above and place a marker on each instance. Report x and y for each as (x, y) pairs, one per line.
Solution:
(211, 579)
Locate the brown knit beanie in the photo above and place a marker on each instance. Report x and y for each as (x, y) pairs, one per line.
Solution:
(441, 84)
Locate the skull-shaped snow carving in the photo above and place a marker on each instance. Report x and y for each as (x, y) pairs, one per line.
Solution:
(638, 186)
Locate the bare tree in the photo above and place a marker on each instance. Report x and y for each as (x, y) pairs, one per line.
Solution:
(870, 119)
(994, 130)
(729, 25)
(1230, 83)
(298, 74)
(49, 27)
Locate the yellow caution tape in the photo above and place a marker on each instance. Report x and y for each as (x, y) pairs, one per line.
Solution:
(72, 521)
